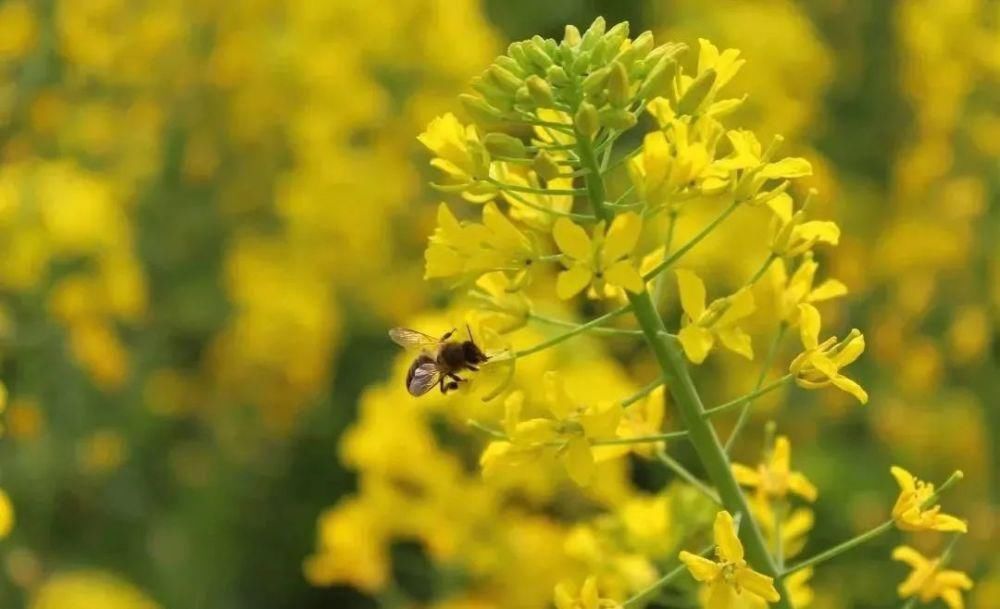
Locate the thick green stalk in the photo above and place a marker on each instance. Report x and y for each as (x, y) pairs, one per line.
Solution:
(675, 373)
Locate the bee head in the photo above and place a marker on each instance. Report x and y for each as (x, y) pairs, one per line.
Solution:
(473, 354)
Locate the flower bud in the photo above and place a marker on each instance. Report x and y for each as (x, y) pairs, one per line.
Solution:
(479, 109)
(557, 76)
(541, 91)
(618, 86)
(511, 65)
(535, 50)
(545, 166)
(643, 44)
(658, 77)
(596, 80)
(501, 144)
(517, 52)
(504, 78)
(572, 35)
(594, 33)
(617, 118)
(586, 120)
(581, 63)
(696, 93)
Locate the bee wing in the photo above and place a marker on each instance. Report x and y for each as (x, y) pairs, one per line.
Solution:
(424, 378)
(405, 337)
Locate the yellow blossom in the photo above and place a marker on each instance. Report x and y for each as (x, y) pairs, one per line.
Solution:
(729, 576)
(461, 158)
(644, 419)
(569, 596)
(795, 526)
(756, 169)
(792, 234)
(774, 478)
(799, 289)
(911, 514)
(6, 514)
(701, 325)
(467, 250)
(929, 581)
(604, 261)
(819, 365)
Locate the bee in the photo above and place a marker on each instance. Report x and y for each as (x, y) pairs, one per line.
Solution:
(440, 359)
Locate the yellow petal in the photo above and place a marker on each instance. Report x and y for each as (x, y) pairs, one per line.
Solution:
(588, 594)
(831, 288)
(952, 598)
(572, 240)
(850, 352)
(578, 461)
(696, 341)
(946, 522)
(701, 568)
(601, 421)
(745, 476)
(809, 325)
(721, 596)
(512, 411)
(660, 109)
(736, 340)
(758, 583)
(845, 384)
(624, 274)
(572, 281)
(724, 531)
(800, 485)
(6, 514)
(909, 556)
(781, 457)
(904, 478)
(622, 236)
(790, 167)
(504, 233)
(535, 431)
(692, 290)
(739, 305)
(558, 400)
(954, 579)
(819, 230)
(565, 595)
(782, 206)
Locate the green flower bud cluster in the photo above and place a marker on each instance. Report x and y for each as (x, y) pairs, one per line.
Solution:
(597, 78)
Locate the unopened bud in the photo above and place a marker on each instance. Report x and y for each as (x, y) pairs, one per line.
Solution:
(618, 86)
(617, 118)
(557, 76)
(658, 78)
(540, 91)
(596, 80)
(479, 109)
(586, 120)
(594, 33)
(535, 50)
(501, 144)
(505, 78)
(545, 166)
(572, 35)
(696, 93)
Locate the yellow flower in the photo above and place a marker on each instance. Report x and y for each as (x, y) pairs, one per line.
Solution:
(569, 596)
(6, 514)
(791, 234)
(791, 292)
(725, 66)
(467, 250)
(603, 261)
(729, 576)
(928, 581)
(774, 478)
(644, 419)
(677, 161)
(819, 365)
(701, 325)
(755, 168)
(89, 588)
(911, 514)
(502, 308)
(461, 158)
(794, 527)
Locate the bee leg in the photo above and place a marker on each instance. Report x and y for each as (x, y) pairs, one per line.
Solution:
(447, 335)
(473, 368)
(457, 379)
(441, 385)
(452, 386)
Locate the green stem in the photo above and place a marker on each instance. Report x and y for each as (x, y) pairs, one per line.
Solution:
(659, 284)
(764, 369)
(693, 242)
(638, 395)
(763, 268)
(671, 575)
(687, 476)
(555, 340)
(839, 549)
(552, 321)
(662, 437)
(555, 212)
(675, 373)
(748, 397)
(535, 191)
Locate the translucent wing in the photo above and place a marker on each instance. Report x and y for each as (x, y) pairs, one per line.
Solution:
(405, 337)
(425, 376)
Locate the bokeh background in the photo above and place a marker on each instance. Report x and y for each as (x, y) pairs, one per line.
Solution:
(211, 211)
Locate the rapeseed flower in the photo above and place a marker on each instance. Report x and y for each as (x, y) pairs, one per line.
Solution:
(701, 325)
(773, 478)
(461, 157)
(819, 365)
(792, 235)
(568, 595)
(911, 512)
(604, 261)
(800, 289)
(729, 576)
(929, 581)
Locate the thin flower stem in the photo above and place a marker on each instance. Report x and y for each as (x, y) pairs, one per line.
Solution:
(496, 433)
(839, 549)
(643, 595)
(748, 397)
(688, 477)
(693, 242)
(547, 210)
(638, 395)
(779, 544)
(660, 282)
(618, 202)
(673, 435)
(555, 340)
(595, 330)
(563, 127)
(772, 352)
(763, 268)
(673, 367)
(535, 191)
